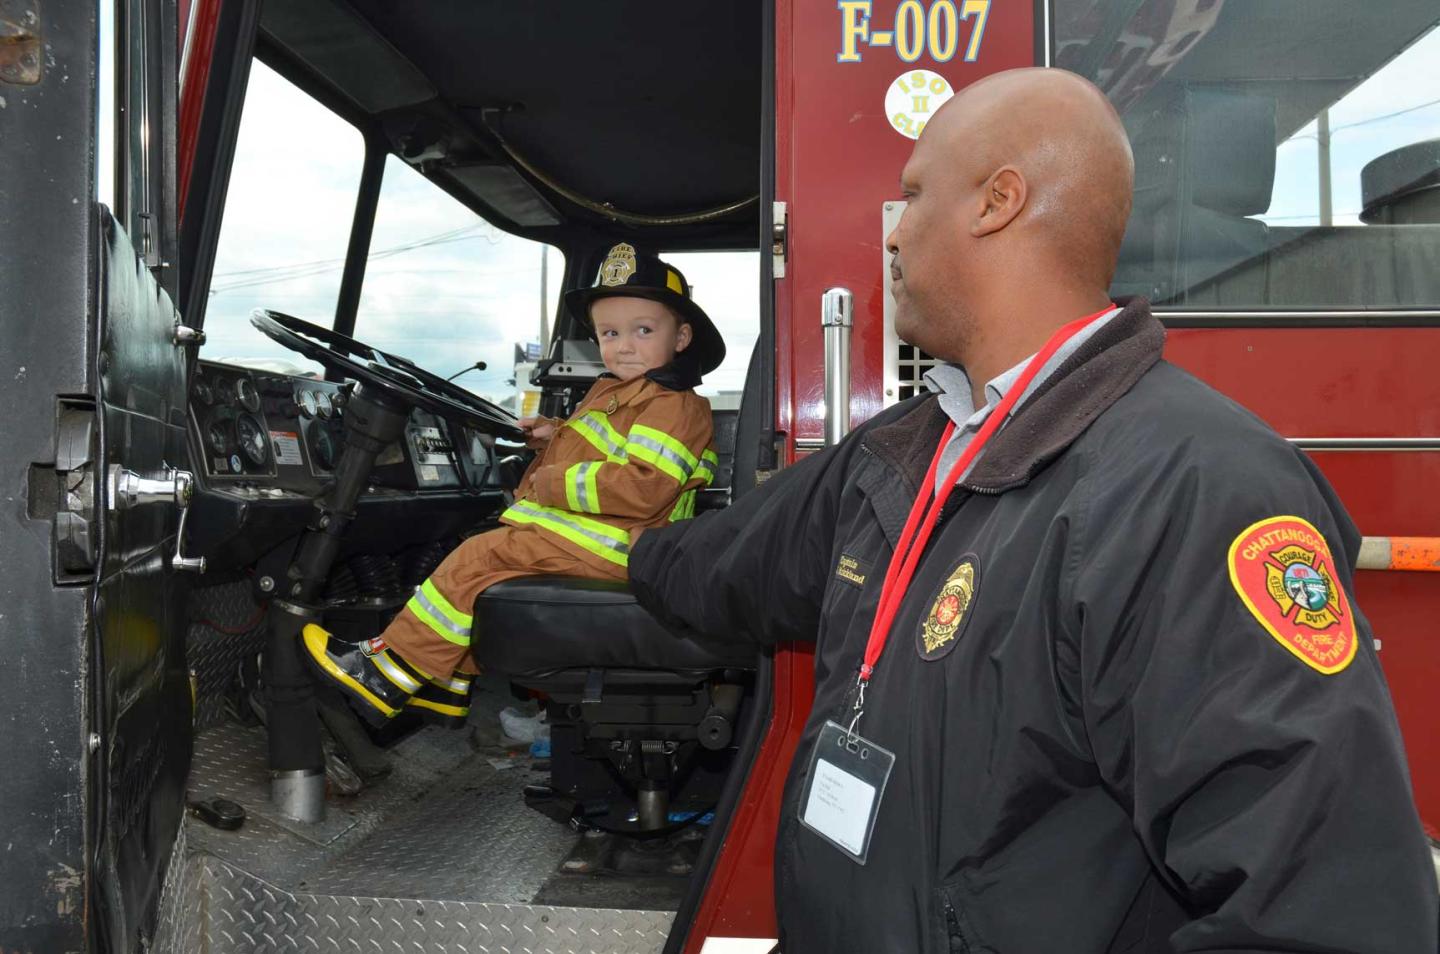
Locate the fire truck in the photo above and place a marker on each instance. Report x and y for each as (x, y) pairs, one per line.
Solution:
(243, 244)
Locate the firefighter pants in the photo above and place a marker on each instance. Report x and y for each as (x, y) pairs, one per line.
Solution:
(432, 633)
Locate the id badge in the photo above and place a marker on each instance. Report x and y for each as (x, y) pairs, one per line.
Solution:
(843, 789)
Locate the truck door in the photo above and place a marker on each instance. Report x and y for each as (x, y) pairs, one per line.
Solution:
(94, 695)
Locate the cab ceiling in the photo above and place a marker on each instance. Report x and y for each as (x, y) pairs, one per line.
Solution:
(647, 106)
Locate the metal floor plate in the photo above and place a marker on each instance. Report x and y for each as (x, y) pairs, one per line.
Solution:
(248, 916)
(441, 856)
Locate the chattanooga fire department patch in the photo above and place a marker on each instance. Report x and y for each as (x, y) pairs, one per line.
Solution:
(1283, 571)
(941, 628)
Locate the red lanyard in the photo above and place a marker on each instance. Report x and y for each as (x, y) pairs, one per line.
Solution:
(917, 530)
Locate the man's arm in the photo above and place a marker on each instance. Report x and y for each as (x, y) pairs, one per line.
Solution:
(754, 572)
(1272, 796)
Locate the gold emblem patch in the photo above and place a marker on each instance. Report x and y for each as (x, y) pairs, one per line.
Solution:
(949, 612)
(619, 265)
(612, 405)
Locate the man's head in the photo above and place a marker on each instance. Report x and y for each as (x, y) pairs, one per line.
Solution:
(637, 334)
(1020, 184)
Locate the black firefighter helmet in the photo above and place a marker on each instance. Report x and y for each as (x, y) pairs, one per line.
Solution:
(641, 275)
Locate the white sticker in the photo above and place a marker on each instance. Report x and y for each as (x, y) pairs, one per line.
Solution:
(839, 806)
(428, 473)
(913, 98)
(287, 448)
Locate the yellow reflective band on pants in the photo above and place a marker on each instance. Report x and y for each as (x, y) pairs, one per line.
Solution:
(662, 450)
(581, 493)
(595, 427)
(602, 539)
(435, 611)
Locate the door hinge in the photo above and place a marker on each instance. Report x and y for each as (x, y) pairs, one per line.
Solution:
(63, 492)
(778, 225)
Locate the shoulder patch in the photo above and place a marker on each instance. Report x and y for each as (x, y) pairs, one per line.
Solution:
(1283, 571)
(942, 626)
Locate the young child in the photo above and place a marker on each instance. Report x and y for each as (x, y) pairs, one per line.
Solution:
(631, 456)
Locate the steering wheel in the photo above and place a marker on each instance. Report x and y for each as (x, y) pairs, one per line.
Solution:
(398, 377)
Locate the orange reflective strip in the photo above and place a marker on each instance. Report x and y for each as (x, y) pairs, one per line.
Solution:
(1420, 554)
(1415, 553)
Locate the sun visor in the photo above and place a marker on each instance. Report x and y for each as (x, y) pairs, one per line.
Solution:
(345, 50)
(506, 191)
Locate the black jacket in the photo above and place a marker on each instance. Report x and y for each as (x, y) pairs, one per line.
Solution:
(1110, 753)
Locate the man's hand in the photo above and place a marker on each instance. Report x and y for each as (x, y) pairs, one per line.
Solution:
(538, 431)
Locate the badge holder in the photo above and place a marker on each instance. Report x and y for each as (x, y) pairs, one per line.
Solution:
(843, 788)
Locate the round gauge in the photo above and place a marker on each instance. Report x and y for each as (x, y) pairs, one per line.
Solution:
(309, 405)
(217, 438)
(252, 440)
(322, 445)
(324, 405)
(249, 397)
(203, 392)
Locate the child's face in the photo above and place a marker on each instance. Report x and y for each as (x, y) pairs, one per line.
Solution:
(637, 335)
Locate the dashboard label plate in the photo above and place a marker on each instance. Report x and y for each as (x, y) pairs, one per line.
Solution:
(287, 448)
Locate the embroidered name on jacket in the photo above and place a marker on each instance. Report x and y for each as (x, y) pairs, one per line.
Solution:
(942, 626)
(851, 570)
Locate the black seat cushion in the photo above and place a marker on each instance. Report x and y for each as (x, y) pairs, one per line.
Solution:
(542, 624)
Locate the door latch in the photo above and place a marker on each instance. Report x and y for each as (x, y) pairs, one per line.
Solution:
(128, 490)
(184, 336)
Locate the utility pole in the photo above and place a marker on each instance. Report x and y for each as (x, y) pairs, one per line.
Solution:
(544, 296)
(1322, 136)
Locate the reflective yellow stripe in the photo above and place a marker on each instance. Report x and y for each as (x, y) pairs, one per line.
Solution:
(460, 685)
(581, 493)
(596, 428)
(601, 539)
(684, 507)
(662, 450)
(432, 609)
(421, 702)
(709, 464)
(394, 673)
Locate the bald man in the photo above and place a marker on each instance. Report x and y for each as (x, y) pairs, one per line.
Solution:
(1126, 701)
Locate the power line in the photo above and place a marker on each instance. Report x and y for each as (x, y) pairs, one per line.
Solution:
(250, 278)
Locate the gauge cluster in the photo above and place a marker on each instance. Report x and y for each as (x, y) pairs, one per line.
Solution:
(228, 413)
(264, 433)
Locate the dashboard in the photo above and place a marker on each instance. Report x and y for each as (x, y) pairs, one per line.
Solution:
(262, 431)
(267, 443)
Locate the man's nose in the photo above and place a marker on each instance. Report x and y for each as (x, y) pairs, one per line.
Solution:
(892, 244)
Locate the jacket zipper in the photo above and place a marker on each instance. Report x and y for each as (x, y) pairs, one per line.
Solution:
(958, 944)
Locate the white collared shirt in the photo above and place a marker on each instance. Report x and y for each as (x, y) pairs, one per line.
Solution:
(952, 385)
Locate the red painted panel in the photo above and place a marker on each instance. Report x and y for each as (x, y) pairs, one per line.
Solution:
(201, 22)
(1359, 382)
(839, 163)
(740, 899)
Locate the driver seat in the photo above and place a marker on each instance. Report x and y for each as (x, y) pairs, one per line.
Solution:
(640, 718)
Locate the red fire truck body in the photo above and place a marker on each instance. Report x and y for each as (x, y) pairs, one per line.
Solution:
(1321, 321)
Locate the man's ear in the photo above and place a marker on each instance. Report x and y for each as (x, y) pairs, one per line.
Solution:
(683, 337)
(1003, 199)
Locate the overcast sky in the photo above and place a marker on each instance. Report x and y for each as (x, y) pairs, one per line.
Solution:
(442, 287)
(445, 289)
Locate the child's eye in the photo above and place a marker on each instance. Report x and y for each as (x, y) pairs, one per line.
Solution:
(643, 330)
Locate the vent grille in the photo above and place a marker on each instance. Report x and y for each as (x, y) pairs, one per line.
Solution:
(910, 366)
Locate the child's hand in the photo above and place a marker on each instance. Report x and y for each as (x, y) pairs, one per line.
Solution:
(538, 431)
